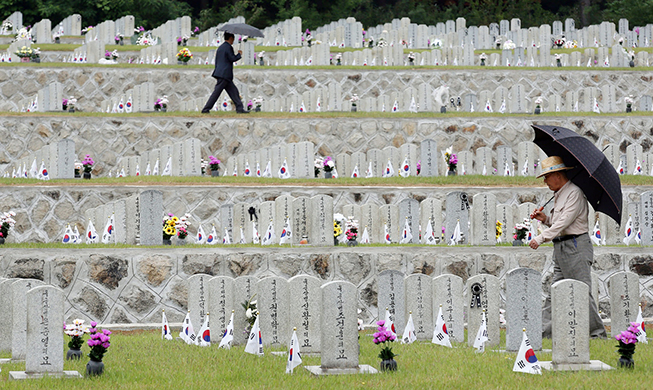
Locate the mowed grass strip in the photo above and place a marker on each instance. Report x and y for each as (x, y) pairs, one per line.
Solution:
(234, 181)
(141, 360)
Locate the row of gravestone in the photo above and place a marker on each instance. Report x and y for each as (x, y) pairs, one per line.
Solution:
(280, 302)
(179, 159)
(30, 327)
(47, 99)
(52, 161)
(141, 98)
(299, 159)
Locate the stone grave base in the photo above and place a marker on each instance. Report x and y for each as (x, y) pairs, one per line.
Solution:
(540, 351)
(20, 375)
(593, 365)
(362, 369)
(9, 360)
(285, 353)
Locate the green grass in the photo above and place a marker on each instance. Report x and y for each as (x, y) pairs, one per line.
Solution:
(437, 181)
(141, 360)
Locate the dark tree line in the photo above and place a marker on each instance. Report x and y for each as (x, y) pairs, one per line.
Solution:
(315, 13)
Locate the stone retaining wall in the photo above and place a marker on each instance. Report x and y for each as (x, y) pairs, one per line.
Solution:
(42, 213)
(92, 85)
(133, 285)
(110, 138)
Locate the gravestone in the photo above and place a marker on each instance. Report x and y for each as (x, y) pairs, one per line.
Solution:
(321, 220)
(457, 210)
(19, 290)
(391, 295)
(504, 157)
(624, 300)
(151, 214)
(45, 342)
(482, 293)
(634, 154)
(244, 290)
(220, 304)
(646, 219)
(646, 104)
(283, 209)
(419, 301)
(448, 292)
(523, 308)
(339, 328)
(375, 158)
(6, 319)
(198, 298)
(526, 154)
(389, 216)
(505, 216)
(611, 151)
(274, 308)
(431, 208)
(371, 219)
(241, 219)
(484, 157)
(429, 158)
(570, 328)
(306, 311)
(300, 219)
(484, 219)
(409, 211)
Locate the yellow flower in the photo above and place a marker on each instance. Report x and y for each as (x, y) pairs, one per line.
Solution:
(175, 219)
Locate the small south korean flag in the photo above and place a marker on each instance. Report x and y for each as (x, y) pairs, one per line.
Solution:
(526, 360)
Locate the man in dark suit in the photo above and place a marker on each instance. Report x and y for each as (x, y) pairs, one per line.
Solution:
(224, 73)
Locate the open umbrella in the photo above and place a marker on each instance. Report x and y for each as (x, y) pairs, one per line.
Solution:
(592, 171)
(242, 29)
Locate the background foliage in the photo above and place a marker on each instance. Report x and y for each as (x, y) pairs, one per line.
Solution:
(315, 13)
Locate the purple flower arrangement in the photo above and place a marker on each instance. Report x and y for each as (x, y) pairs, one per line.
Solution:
(99, 342)
(88, 163)
(381, 337)
(627, 342)
(328, 164)
(214, 163)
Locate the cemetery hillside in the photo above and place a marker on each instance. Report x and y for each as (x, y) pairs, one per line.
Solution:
(342, 194)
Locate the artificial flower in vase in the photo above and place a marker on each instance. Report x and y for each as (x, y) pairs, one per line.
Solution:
(100, 341)
(88, 166)
(182, 229)
(627, 342)
(76, 332)
(337, 232)
(538, 105)
(354, 100)
(6, 222)
(521, 231)
(161, 104)
(352, 231)
(214, 164)
(381, 337)
(169, 228)
(328, 166)
(319, 164)
(184, 56)
(451, 160)
(629, 103)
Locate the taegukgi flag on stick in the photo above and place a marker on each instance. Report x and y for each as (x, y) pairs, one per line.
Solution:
(355, 173)
(386, 234)
(226, 240)
(405, 168)
(641, 333)
(389, 325)
(284, 172)
(407, 235)
(429, 235)
(440, 333)
(457, 235)
(596, 234)
(201, 237)
(91, 233)
(76, 238)
(481, 335)
(255, 236)
(211, 239)
(365, 237)
(526, 360)
(255, 342)
(167, 171)
(187, 333)
(165, 327)
(409, 331)
(294, 357)
(389, 170)
(268, 170)
(107, 234)
(67, 235)
(369, 173)
(286, 233)
(242, 236)
(269, 237)
(628, 231)
(204, 339)
(228, 335)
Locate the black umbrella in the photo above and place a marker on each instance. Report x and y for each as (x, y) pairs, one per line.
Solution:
(592, 171)
(242, 29)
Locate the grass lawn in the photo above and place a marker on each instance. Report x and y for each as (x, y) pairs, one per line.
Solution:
(141, 360)
(399, 182)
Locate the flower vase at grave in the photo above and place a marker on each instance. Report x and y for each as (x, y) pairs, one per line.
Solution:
(517, 242)
(451, 173)
(167, 241)
(353, 108)
(388, 365)
(257, 109)
(443, 110)
(36, 60)
(632, 63)
(122, 43)
(164, 109)
(2, 240)
(87, 175)
(626, 351)
(482, 61)
(336, 242)
(558, 63)
(181, 241)
(352, 242)
(629, 109)
(71, 109)
(57, 40)
(328, 175)
(74, 354)
(215, 173)
(537, 110)
(24, 59)
(94, 368)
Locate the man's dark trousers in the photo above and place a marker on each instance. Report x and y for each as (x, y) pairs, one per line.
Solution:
(232, 91)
